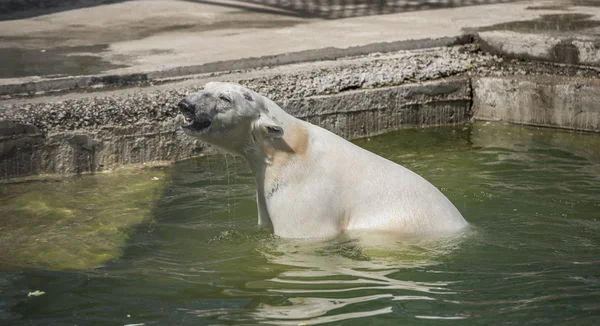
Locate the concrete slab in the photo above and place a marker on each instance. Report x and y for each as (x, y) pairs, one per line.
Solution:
(160, 38)
(124, 107)
(558, 102)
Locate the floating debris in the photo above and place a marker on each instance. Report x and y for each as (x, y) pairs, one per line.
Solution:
(36, 293)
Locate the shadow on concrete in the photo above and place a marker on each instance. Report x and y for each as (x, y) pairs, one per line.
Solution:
(334, 9)
(54, 62)
(21, 9)
(325, 9)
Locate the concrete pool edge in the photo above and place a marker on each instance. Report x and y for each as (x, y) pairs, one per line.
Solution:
(27, 150)
(347, 99)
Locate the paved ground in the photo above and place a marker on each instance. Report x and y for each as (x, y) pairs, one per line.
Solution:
(155, 35)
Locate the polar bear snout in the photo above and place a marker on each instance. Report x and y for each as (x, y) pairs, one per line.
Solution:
(193, 120)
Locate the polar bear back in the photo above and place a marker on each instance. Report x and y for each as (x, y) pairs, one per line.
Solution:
(378, 193)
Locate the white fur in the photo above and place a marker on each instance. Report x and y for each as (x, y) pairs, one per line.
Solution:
(313, 183)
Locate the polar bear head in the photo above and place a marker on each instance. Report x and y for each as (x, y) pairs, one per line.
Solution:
(229, 116)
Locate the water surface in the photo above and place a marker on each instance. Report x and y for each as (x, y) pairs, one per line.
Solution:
(180, 246)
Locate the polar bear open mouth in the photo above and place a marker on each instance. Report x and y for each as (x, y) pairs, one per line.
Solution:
(187, 122)
(200, 124)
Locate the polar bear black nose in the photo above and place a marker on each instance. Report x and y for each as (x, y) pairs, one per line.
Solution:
(185, 106)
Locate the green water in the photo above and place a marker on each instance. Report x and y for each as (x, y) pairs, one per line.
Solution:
(180, 246)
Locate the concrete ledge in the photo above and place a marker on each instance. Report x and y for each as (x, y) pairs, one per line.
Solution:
(25, 150)
(560, 102)
(583, 50)
(90, 111)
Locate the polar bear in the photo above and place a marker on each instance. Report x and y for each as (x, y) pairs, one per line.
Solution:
(311, 183)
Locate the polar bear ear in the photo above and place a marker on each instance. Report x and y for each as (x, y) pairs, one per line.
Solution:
(269, 126)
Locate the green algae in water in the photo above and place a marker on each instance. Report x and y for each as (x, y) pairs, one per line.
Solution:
(78, 223)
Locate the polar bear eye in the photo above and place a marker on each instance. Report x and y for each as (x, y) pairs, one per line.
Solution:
(225, 98)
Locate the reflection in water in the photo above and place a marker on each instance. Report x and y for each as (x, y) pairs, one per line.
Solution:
(327, 319)
(326, 277)
(78, 223)
(320, 281)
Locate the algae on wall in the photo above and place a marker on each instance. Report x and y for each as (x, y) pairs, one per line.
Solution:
(77, 223)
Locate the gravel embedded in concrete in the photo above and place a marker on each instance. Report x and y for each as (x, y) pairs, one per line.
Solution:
(372, 71)
(142, 105)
